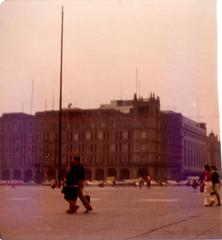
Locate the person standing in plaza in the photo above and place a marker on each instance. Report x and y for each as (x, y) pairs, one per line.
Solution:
(140, 182)
(78, 171)
(148, 182)
(215, 184)
(207, 186)
(194, 185)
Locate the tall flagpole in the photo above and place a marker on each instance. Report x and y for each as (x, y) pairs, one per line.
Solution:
(60, 107)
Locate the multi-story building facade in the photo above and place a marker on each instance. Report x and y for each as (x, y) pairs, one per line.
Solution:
(171, 144)
(111, 142)
(123, 139)
(194, 146)
(184, 145)
(18, 147)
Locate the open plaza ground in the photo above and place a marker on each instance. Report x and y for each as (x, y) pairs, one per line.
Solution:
(119, 213)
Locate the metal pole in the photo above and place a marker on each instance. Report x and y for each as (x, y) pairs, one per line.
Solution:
(60, 109)
(32, 96)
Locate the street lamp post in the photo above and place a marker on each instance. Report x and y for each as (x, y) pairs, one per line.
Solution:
(60, 106)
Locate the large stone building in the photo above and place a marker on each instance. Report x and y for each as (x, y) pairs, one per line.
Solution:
(213, 151)
(194, 146)
(171, 144)
(111, 142)
(18, 147)
(184, 145)
(123, 139)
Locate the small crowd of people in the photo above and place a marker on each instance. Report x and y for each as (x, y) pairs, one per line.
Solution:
(142, 181)
(210, 185)
(73, 186)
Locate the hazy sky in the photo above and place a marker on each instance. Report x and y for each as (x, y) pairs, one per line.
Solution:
(172, 43)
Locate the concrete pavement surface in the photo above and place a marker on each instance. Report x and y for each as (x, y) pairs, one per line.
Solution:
(119, 213)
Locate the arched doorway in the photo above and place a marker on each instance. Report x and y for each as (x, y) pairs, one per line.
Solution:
(124, 173)
(17, 175)
(28, 176)
(112, 172)
(6, 174)
(99, 174)
(142, 172)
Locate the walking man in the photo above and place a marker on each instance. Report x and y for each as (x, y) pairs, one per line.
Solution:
(78, 172)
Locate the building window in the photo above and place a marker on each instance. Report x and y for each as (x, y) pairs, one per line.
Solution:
(88, 136)
(76, 136)
(102, 125)
(125, 135)
(143, 135)
(125, 147)
(112, 147)
(95, 148)
(100, 135)
(143, 147)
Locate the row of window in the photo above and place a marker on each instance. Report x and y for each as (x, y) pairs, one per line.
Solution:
(194, 155)
(24, 149)
(22, 137)
(100, 135)
(144, 147)
(19, 159)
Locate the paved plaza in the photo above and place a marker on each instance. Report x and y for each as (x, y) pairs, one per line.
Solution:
(120, 213)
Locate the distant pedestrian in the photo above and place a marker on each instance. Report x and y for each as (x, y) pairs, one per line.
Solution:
(207, 186)
(114, 182)
(101, 184)
(13, 183)
(215, 186)
(148, 182)
(194, 185)
(78, 172)
(140, 183)
(53, 183)
(188, 182)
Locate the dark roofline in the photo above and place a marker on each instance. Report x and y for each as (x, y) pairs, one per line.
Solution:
(19, 114)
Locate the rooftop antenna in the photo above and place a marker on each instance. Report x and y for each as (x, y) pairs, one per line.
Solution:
(121, 90)
(46, 104)
(136, 80)
(32, 96)
(198, 114)
(53, 100)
